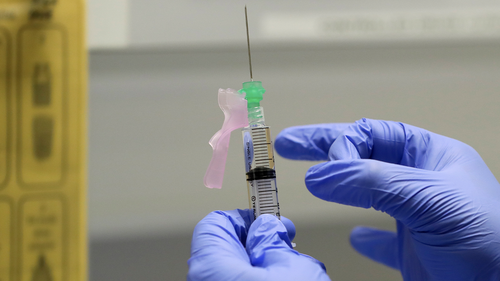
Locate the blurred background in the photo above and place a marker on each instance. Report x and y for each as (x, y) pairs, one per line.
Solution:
(156, 67)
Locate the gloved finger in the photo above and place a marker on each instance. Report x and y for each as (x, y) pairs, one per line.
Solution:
(378, 245)
(311, 142)
(391, 142)
(269, 247)
(218, 247)
(391, 188)
(290, 227)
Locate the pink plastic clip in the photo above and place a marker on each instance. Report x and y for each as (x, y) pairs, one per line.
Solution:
(234, 106)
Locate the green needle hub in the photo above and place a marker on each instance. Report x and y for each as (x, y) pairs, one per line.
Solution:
(254, 93)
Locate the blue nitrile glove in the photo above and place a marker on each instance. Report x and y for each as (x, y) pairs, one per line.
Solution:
(226, 247)
(443, 196)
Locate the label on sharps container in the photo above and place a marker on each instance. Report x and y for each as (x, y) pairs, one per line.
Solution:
(43, 72)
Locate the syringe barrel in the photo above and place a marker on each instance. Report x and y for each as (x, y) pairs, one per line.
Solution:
(262, 192)
(260, 170)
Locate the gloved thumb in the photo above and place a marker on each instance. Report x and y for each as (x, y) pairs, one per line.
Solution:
(267, 233)
(378, 245)
(268, 246)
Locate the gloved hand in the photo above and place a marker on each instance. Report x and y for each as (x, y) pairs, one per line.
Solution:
(443, 196)
(226, 247)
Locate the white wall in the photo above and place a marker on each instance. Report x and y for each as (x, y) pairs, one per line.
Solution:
(194, 23)
(108, 24)
(184, 23)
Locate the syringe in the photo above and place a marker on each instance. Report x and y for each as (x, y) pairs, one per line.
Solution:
(258, 150)
(259, 155)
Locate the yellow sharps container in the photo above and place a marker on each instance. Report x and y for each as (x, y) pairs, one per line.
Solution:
(43, 73)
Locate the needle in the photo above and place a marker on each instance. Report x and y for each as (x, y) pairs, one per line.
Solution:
(248, 44)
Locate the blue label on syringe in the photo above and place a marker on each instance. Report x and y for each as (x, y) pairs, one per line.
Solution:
(248, 147)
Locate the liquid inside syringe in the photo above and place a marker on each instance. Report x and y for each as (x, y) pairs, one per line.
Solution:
(260, 171)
